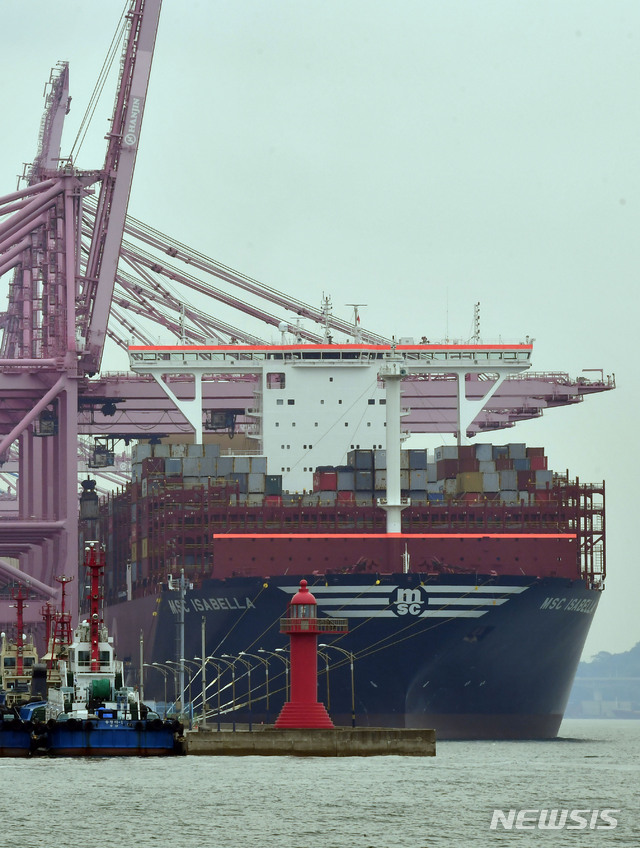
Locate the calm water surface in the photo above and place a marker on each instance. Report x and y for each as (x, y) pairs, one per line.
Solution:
(290, 802)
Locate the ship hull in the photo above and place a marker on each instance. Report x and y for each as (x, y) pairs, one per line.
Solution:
(473, 656)
(115, 738)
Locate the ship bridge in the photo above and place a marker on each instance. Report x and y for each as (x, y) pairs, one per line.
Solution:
(307, 405)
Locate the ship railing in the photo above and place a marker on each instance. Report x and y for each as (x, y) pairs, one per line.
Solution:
(323, 625)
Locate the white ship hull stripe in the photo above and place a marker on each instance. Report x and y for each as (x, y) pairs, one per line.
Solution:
(427, 587)
(441, 602)
(386, 613)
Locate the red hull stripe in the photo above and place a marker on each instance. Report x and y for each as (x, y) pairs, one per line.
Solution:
(406, 536)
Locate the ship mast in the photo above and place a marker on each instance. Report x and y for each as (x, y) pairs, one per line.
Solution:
(94, 561)
(19, 599)
(391, 373)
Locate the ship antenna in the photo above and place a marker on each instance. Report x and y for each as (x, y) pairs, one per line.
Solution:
(326, 315)
(476, 323)
(356, 321)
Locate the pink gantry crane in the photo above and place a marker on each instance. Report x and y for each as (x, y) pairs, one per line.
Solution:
(81, 273)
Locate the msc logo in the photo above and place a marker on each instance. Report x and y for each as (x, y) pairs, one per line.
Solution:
(408, 601)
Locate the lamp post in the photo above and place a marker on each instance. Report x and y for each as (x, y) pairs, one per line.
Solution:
(353, 691)
(325, 657)
(192, 675)
(246, 663)
(166, 666)
(164, 674)
(266, 675)
(204, 661)
(181, 670)
(230, 665)
(283, 658)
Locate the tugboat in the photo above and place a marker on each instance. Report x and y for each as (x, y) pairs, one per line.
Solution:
(91, 712)
(18, 659)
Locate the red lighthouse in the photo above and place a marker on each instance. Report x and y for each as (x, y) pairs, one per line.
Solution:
(303, 627)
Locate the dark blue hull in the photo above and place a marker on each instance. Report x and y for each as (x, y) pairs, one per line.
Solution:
(91, 738)
(473, 656)
(16, 738)
(113, 738)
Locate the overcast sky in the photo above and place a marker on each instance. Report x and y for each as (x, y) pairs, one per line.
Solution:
(416, 156)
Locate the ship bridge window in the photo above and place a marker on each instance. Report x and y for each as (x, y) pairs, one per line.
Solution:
(105, 657)
(84, 657)
(9, 662)
(276, 380)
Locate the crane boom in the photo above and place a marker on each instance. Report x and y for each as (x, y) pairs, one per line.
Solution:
(118, 175)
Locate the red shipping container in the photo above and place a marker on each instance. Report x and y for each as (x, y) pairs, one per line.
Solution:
(345, 497)
(468, 464)
(328, 481)
(525, 479)
(538, 463)
(152, 465)
(535, 452)
(471, 497)
(273, 500)
(503, 463)
(466, 452)
(446, 468)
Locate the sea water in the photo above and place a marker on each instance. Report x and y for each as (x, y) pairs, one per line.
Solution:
(354, 802)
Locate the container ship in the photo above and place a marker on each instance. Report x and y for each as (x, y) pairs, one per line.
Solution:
(469, 573)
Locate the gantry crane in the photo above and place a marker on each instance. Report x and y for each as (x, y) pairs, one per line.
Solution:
(83, 272)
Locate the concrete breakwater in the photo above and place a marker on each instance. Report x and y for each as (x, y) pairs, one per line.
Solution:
(302, 742)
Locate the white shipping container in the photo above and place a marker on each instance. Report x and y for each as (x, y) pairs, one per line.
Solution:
(487, 466)
(508, 480)
(509, 496)
(380, 480)
(491, 482)
(256, 483)
(191, 466)
(209, 466)
(543, 479)
(437, 487)
(446, 452)
(225, 466)
(418, 479)
(517, 451)
(241, 464)
(484, 452)
(141, 452)
(380, 459)
(258, 464)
